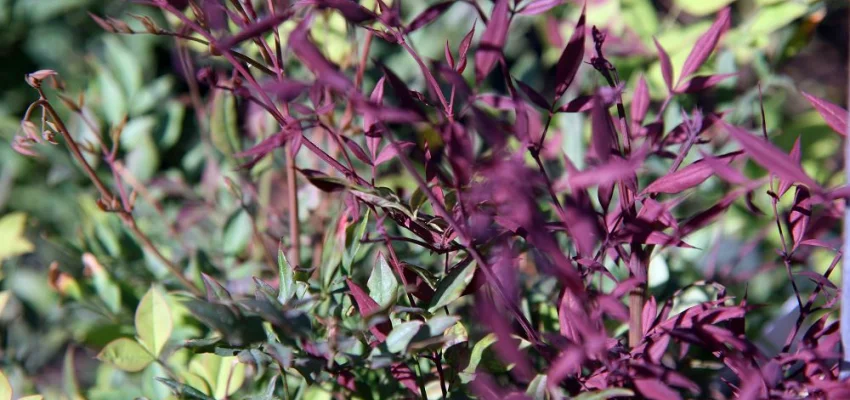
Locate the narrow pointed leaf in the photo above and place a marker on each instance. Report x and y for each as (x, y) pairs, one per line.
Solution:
(429, 15)
(705, 45)
(795, 154)
(798, 219)
(687, 177)
(571, 57)
(540, 6)
(666, 65)
(701, 83)
(640, 103)
(492, 41)
(835, 116)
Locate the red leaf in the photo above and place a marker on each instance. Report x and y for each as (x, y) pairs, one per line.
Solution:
(687, 177)
(402, 373)
(570, 61)
(429, 15)
(705, 45)
(654, 389)
(640, 103)
(801, 212)
(771, 158)
(700, 83)
(540, 6)
(835, 116)
(666, 66)
(492, 41)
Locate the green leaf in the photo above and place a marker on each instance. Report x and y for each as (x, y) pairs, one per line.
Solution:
(153, 321)
(286, 278)
(605, 394)
(5, 387)
(451, 286)
(32, 397)
(537, 388)
(401, 336)
(4, 299)
(468, 374)
(184, 391)
(126, 354)
(237, 233)
(223, 128)
(123, 63)
(349, 256)
(105, 287)
(224, 375)
(152, 95)
(382, 284)
(14, 243)
(702, 7)
(174, 126)
(770, 19)
(112, 98)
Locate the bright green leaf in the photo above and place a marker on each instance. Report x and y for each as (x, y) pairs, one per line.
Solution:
(126, 354)
(153, 321)
(702, 7)
(351, 254)
(112, 99)
(224, 375)
(12, 240)
(451, 286)
(605, 394)
(382, 284)
(770, 19)
(123, 63)
(223, 124)
(237, 233)
(468, 374)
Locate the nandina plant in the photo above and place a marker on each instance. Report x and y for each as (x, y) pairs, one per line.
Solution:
(452, 248)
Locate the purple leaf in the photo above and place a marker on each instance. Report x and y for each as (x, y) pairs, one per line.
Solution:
(570, 61)
(578, 104)
(771, 158)
(497, 101)
(253, 30)
(705, 45)
(286, 89)
(654, 389)
(784, 184)
(356, 150)
(377, 97)
(322, 181)
(613, 171)
(687, 177)
(492, 41)
(266, 146)
(388, 152)
(429, 15)
(353, 12)
(449, 57)
(650, 311)
(533, 95)
(307, 52)
(464, 48)
(640, 103)
(723, 170)
(835, 116)
(818, 278)
(801, 212)
(539, 6)
(700, 83)
(666, 66)
(602, 133)
(367, 306)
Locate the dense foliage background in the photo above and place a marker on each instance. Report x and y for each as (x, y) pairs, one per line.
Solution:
(91, 308)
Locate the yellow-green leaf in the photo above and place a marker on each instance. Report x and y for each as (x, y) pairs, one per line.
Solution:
(224, 375)
(32, 397)
(153, 321)
(12, 240)
(702, 7)
(126, 354)
(5, 387)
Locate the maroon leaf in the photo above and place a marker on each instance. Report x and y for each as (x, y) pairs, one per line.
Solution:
(835, 116)
(654, 389)
(492, 41)
(539, 6)
(322, 181)
(666, 66)
(602, 133)
(367, 306)
(784, 184)
(568, 363)
(640, 103)
(286, 89)
(464, 48)
(579, 104)
(687, 177)
(497, 101)
(705, 45)
(818, 278)
(771, 158)
(700, 83)
(429, 15)
(570, 61)
(533, 95)
(650, 311)
(723, 170)
(377, 97)
(403, 374)
(449, 57)
(253, 30)
(614, 170)
(800, 214)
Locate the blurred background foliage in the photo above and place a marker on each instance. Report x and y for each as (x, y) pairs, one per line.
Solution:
(48, 213)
